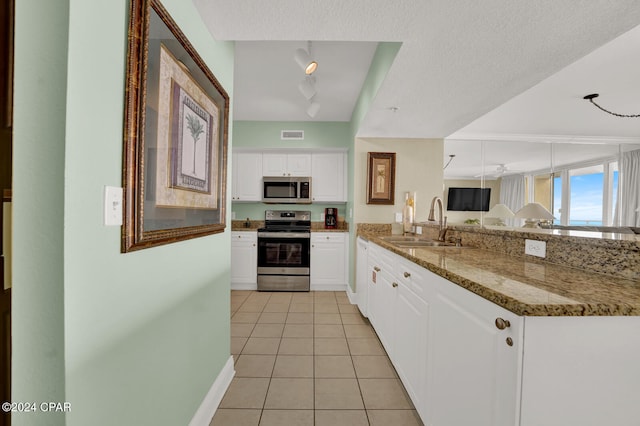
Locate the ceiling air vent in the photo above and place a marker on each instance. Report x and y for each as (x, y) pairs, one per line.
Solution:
(292, 135)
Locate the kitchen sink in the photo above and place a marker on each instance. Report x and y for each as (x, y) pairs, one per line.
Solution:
(415, 242)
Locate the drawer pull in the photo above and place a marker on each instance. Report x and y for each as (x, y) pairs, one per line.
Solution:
(407, 275)
(394, 285)
(375, 268)
(502, 323)
(509, 341)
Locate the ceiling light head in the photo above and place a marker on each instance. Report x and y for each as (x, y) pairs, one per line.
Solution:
(304, 59)
(311, 68)
(313, 109)
(308, 87)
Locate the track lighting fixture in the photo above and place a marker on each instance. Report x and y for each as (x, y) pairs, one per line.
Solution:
(591, 98)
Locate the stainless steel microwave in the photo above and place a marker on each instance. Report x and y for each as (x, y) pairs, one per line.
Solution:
(286, 190)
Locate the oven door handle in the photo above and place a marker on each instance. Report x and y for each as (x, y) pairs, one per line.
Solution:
(284, 235)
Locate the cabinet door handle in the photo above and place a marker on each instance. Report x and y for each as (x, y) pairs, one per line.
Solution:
(407, 275)
(502, 323)
(375, 268)
(327, 237)
(254, 244)
(394, 285)
(509, 341)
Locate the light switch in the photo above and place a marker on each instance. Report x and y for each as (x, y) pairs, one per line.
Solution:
(112, 206)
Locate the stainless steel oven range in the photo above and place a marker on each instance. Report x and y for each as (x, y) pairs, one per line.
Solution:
(284, 250)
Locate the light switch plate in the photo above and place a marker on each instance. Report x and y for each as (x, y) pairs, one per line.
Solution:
(112, 206)
(398, 217)
(535, 248)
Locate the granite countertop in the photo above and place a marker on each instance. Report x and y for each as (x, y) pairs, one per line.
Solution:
(525, 287)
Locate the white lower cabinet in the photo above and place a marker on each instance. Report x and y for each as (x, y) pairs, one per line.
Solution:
(410, 345)
(329, 261)
(378, 280)
(362, 267)
(473, 373)
(454, 362)
(463, 360)
(244, 260)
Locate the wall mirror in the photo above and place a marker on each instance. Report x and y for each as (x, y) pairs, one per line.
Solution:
(579, 183)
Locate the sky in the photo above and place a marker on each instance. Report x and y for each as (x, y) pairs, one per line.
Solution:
(586, 198)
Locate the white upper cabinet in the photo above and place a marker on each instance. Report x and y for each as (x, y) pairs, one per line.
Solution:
(327, 169)
(328, 177)
(247, 176)
(283, 164)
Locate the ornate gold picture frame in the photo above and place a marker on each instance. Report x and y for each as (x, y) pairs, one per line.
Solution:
(176, 126)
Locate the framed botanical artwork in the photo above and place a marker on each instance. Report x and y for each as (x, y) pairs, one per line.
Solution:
(176, 126)
(381, 177)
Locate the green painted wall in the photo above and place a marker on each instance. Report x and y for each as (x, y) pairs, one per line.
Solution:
(127, 339)
(38, 207)
(266, 134)
(380, 64)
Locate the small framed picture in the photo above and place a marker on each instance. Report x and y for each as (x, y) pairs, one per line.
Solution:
(381, 177)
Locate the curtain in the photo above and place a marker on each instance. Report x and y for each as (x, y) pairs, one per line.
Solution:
(512, 195)
(628, 206)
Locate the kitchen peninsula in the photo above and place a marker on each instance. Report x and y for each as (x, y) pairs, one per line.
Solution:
(485, 338)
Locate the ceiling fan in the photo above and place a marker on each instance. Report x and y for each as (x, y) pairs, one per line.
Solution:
(500, 170)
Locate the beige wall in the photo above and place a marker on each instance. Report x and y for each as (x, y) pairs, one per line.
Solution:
(460, 217)
(418, 168)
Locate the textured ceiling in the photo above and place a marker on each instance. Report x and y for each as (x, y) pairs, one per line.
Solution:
(459, 59)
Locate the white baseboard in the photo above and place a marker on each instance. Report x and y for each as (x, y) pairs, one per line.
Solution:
(353, 297)
(211, 401)
(330, 287)
(239, 286)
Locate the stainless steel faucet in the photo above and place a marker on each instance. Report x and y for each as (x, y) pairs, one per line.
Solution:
(442, 222)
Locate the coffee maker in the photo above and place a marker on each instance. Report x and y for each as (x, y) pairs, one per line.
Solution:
(330, 218)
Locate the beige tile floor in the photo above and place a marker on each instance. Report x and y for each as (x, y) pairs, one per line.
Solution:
(308, 359)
